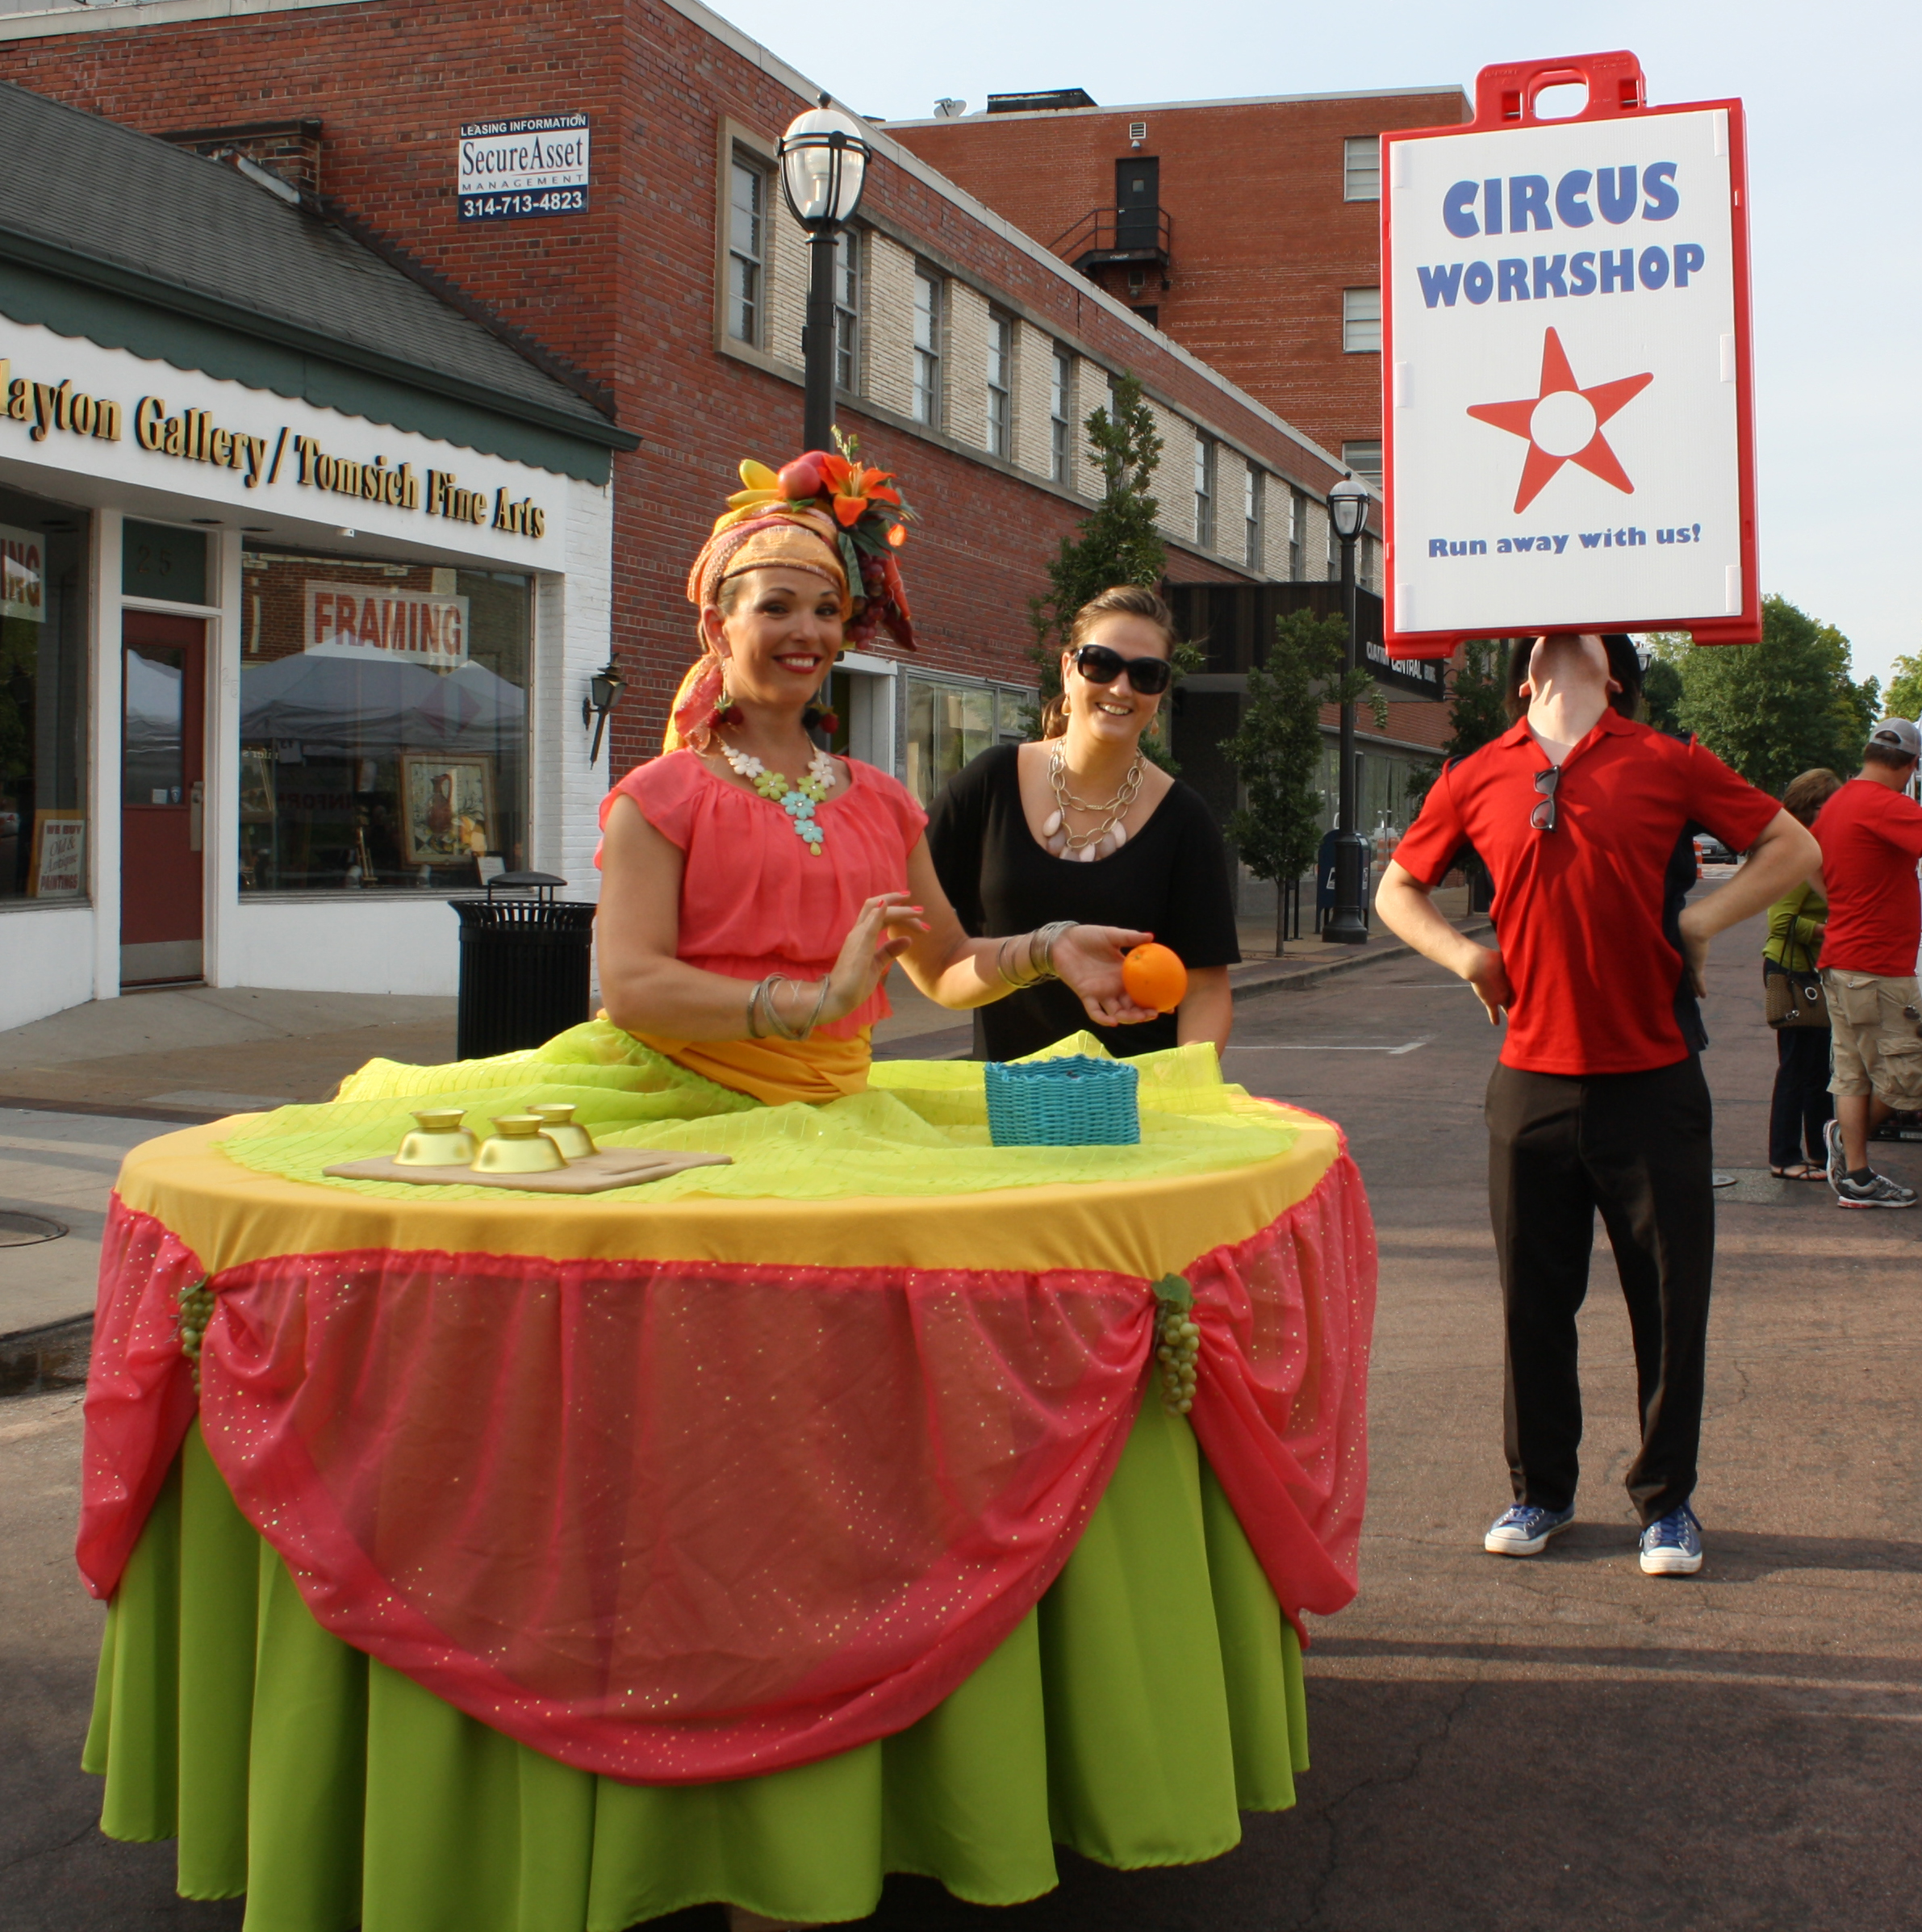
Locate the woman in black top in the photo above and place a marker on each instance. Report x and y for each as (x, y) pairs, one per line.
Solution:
(1082, 826)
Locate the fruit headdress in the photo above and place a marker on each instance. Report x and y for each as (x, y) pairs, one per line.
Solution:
(826, 513)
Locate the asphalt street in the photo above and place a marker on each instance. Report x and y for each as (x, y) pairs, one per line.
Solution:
(1560, 1743)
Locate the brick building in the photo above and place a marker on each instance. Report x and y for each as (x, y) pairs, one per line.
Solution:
(1247, 230)
(969, 352)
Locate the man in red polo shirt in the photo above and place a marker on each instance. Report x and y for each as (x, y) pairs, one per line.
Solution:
(1870, 834)
(1598, 1101)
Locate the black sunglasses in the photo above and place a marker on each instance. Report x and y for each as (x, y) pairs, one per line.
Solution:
(1541, 815)
(1100, 666)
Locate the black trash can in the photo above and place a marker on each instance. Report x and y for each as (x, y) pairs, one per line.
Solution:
(526, 964)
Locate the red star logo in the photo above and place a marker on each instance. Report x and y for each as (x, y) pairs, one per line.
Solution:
(1562, 422)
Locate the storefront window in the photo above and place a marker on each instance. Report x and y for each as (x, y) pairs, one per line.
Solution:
(383, 729)
(1383, 807)
(948, 725)
(43, 699)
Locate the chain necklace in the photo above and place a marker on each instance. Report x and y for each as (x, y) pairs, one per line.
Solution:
(1109, 836)
(798, 800)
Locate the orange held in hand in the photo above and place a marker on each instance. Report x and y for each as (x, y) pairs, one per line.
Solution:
(1154, 976)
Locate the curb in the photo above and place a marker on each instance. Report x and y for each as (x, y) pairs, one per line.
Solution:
(111, 1110)
(53, 1355)
(1304, 978)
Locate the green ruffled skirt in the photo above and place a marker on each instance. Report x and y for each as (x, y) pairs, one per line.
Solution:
(1154, 1694)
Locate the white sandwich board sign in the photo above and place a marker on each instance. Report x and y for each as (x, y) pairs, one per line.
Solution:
(1568, 440)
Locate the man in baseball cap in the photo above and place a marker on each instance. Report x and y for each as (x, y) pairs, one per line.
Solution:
(1870, 834)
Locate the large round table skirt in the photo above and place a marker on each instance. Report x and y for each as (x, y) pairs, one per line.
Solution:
(506, 1563)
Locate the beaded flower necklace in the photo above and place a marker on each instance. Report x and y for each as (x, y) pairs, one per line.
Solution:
(798, 801)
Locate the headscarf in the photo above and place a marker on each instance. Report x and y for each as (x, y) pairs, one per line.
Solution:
(823, 514)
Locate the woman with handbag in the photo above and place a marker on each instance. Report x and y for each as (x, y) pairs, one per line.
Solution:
(1797, 1009)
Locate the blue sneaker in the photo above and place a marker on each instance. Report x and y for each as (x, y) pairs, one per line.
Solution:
(1671, 1544)
(1525, 1529)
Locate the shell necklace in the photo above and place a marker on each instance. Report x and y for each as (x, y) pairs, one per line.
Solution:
(799, 801)
(1109, 836)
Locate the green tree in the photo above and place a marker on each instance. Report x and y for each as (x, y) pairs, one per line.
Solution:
(1661, 694)
(1780, 707)
(1117, 541)
(1476, 717)
(1904, 697)
(1278, 749)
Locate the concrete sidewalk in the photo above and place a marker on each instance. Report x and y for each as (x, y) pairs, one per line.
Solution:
(206, 1051)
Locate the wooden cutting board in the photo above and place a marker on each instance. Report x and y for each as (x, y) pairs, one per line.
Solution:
(612, 1167)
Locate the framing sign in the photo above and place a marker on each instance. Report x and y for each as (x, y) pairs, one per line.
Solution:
(1569, 442)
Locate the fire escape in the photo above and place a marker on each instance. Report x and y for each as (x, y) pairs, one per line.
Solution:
(1121, 249)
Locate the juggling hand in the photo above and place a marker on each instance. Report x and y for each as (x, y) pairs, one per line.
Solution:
(1088, 959)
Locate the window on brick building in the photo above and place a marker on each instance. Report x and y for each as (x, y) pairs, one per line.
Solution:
(1364, 459)
(747, 249)
(929, 304)
(351, 776)
(949, 724)
(847, 310)
(1061, 411)
(1360, 319)
(1253, 491)
(1298, 524)
(1000, 384)
(1361, 168)
(1204, 492)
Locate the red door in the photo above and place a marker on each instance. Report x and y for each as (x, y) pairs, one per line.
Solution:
(162, 797)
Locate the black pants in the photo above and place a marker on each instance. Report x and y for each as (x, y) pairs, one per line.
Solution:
(1636, 1146)
(1802, 1104)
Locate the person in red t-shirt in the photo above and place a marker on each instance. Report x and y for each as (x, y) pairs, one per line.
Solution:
(1582, 815)
(1870, 834)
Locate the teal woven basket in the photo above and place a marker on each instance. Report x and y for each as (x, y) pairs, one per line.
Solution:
(1073, 1101)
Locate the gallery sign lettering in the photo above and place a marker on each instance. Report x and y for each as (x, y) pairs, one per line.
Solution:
(192, 435)
(416, 627)
(45, 406)
(1567, 429)
(535, 165)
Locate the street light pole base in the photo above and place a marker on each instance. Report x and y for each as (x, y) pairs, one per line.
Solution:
(1340, 930)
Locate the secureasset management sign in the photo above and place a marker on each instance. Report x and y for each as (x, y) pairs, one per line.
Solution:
(536, 164)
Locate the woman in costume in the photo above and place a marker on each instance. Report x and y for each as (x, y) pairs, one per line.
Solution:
(666, 1535)
(1084, 824)
(757, 890)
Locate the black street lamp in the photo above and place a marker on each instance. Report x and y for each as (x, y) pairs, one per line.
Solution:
(823, 163)
(1347, 922)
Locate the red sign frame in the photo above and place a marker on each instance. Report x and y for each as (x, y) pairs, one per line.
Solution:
(1505, 97)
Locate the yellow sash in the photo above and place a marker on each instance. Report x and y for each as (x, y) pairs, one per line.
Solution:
(775, 1071)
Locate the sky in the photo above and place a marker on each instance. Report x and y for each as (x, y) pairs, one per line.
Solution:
(1833, 193)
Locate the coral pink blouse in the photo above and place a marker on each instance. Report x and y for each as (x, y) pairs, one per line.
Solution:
(754, 899)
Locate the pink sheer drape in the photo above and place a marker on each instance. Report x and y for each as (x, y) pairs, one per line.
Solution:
(677, 1522)
(139, 1399)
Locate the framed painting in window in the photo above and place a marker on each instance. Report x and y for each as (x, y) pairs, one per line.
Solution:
(447, 808)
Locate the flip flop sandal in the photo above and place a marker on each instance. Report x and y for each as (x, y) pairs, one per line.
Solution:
(1802, 1171)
